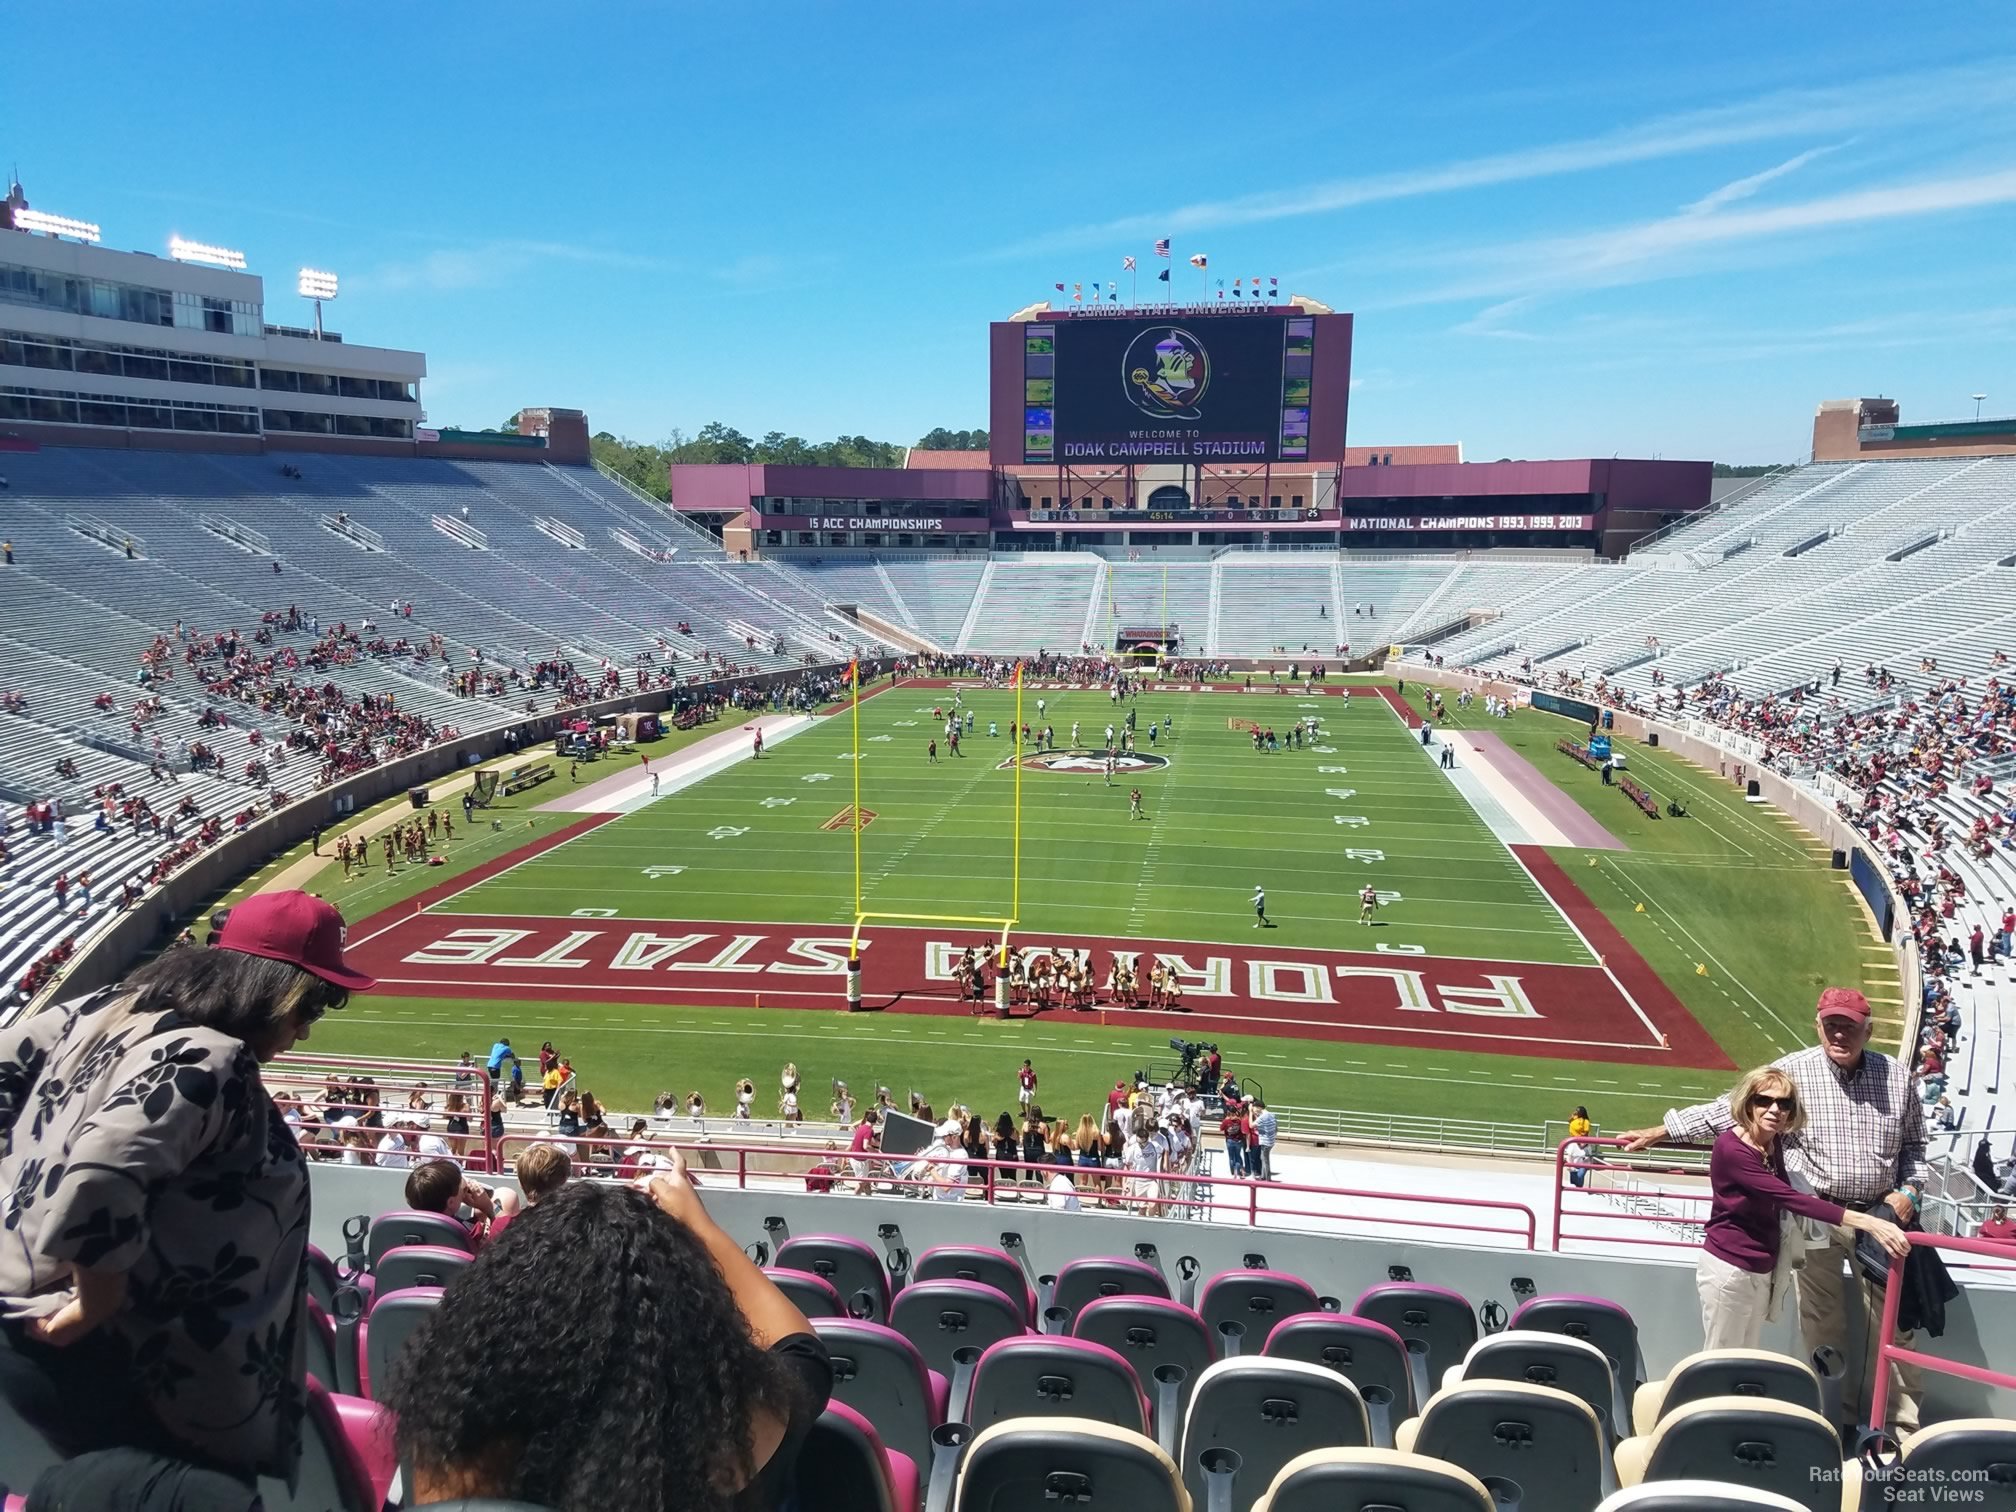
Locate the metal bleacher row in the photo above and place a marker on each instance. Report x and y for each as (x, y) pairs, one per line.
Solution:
(1886, 562)
(114, 548)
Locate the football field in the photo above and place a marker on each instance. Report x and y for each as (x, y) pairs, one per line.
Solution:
(739, 888)
(690, 936)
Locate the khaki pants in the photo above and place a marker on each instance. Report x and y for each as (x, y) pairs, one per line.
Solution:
(1824, 1285)
(1733, 1303)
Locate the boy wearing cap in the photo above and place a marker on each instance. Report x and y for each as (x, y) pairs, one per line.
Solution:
(1864, 1143)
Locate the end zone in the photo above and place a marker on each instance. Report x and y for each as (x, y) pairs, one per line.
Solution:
(1495, 1007)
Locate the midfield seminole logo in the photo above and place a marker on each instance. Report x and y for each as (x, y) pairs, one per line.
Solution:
(1091, 763)
(1165, 373)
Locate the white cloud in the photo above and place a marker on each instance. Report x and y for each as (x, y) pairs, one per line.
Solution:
(489, 265)
(1783, 114)
(1682, 243)
(1743, 188)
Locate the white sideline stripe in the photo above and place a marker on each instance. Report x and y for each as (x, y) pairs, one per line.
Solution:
(708, 759)
(1594, 955)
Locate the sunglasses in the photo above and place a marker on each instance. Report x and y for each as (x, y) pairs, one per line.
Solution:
(1786, 1104)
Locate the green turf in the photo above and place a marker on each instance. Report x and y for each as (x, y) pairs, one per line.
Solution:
(1221, 820)
(1734, 888)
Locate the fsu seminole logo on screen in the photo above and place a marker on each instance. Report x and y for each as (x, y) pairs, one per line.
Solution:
(1092, 763)
(1165, 373)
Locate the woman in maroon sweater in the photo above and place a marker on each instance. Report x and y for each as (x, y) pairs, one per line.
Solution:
(1739, 1277)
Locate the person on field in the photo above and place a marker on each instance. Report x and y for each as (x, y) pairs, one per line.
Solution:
(1260, 919)
(1368, 904)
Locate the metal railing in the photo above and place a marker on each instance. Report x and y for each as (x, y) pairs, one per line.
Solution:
(1412, 1131)
(1990, 1256)
(1238, 1200)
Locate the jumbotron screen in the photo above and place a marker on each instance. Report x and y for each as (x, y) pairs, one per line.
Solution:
(1186, 386)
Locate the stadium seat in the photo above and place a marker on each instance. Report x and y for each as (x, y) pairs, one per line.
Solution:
(1373, 1480)
(1042, 1375)
(322, 1279)
(812, 1295)
(880, 1374)
(1766, 1445)
(1974, 1458)
(1726, 1372)
(1435, 1323)
(849, 1266)
(1150, 1332)
(409, 1265)
(394, 1318)
(1039, 1462)
(1368, 1354)
(974, 1262)
(370, 1430)
(1534, 1445)
(332, 1476)
(1695, 1496)
(943, 1317)
(1267, 1411)
(410, 1226)
(1083, 1281)
(320, 1346)
(1544, 1359)
(1609, 1327)
(845, 1459)
(1255, 1300)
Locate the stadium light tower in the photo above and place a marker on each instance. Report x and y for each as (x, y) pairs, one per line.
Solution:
(318, 287)
(1977, 405)
(203, 252)
(54, 225)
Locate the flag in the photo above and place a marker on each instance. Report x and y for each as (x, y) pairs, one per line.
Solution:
(1235, 291)
(1163, 275)
(1126, 265)
(1111, 286)
(1199, 260)
(1060, 288)
(1114, 295)
(1162, 247)
(1273, 283)
(1018, 674)
(1236, 282)
(854, 673)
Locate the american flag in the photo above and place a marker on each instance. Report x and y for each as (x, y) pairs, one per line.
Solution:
(1126, 265)
(1162, 247)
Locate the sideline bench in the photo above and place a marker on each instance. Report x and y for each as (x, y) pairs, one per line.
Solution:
(1645, 801)
(518, 779)
(1580, 752)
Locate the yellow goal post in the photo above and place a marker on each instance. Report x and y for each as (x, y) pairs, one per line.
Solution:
(863, 916)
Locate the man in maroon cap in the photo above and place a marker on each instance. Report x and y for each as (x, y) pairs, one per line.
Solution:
(1864, 1143)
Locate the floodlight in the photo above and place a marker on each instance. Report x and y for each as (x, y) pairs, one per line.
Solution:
(203, 252)
(54, 225)
(314, 285)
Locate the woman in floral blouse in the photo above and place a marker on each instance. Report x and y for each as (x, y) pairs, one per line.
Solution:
(154, 1217)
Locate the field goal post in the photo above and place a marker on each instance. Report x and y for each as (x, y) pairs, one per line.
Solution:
(864, 916)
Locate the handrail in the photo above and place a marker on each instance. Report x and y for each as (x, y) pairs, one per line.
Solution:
(1150, 1192)
(1656, 1197)
(1889, 1352)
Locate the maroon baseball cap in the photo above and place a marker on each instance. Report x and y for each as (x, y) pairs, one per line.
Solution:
(293, 927)
(1844, 1002)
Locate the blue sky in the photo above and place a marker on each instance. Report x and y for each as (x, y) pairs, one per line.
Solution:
(1566, 230)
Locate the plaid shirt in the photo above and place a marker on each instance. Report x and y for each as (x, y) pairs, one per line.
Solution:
(1864, 1134)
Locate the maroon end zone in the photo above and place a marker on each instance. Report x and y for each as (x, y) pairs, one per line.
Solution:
(1559, 1012)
